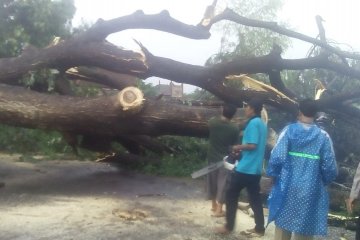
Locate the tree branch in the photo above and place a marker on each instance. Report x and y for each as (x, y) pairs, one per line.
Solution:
(101, 76)
(78, 51)
(138, 20)
(275, 76)
(230, 15)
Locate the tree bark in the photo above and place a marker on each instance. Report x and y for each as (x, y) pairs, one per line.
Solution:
(103, 116)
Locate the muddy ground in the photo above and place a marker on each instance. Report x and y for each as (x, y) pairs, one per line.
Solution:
(71, 200)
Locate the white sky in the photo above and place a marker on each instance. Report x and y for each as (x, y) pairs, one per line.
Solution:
(341, 24)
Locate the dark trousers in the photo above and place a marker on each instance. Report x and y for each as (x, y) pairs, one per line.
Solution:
(251, 182)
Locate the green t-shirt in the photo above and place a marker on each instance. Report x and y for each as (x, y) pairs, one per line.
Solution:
(222, 134)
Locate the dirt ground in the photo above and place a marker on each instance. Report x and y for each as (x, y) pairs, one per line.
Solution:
(71, 200)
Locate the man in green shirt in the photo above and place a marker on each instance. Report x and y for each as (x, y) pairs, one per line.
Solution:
(223, 134)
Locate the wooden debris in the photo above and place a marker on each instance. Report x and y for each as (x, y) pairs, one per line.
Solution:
(130, 215)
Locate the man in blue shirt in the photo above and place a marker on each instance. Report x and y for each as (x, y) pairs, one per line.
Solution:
(247, 173)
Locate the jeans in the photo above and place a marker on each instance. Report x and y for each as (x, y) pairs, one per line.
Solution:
(251, 182)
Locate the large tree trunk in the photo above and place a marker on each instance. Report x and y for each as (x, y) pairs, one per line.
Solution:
(103, 115)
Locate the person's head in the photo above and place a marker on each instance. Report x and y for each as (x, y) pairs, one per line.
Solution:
(253, 107)
(308, 108)
(228, 110)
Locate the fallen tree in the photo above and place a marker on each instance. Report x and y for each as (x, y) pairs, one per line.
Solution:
(89, 57)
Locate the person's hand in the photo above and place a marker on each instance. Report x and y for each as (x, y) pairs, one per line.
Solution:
(272, 180)
(349, 205)
(237, 148)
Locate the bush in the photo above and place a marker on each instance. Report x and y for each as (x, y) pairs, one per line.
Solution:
(189, 155)
(22, 140)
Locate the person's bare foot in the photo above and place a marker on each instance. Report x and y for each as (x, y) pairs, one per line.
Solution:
(217, 209)
(250, 233)
(222, 230)
(218, 214)
(214, 206)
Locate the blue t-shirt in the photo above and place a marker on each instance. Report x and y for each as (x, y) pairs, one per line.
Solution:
(251, 160)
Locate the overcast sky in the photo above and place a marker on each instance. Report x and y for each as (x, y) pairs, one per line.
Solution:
(341, 24)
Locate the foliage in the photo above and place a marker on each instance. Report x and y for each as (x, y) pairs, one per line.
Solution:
(147, 88)
(345, 137)
(300, 82)
(86, 90)
(31, 141)
(189, 155)
(34, 22)
(239, 40)
(309, 79)
(25, 24)
(29, 24)
(201, 95)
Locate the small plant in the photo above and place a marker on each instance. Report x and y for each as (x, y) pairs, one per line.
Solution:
(189, 155)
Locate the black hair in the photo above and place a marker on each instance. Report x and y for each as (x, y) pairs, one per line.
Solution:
(308, 107)
(256, 104)
(229, 110)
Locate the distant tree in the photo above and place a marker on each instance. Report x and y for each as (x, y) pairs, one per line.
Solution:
(240, 40)
(148, 89)
(34, 22)
(24, 26)
(243, 41)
